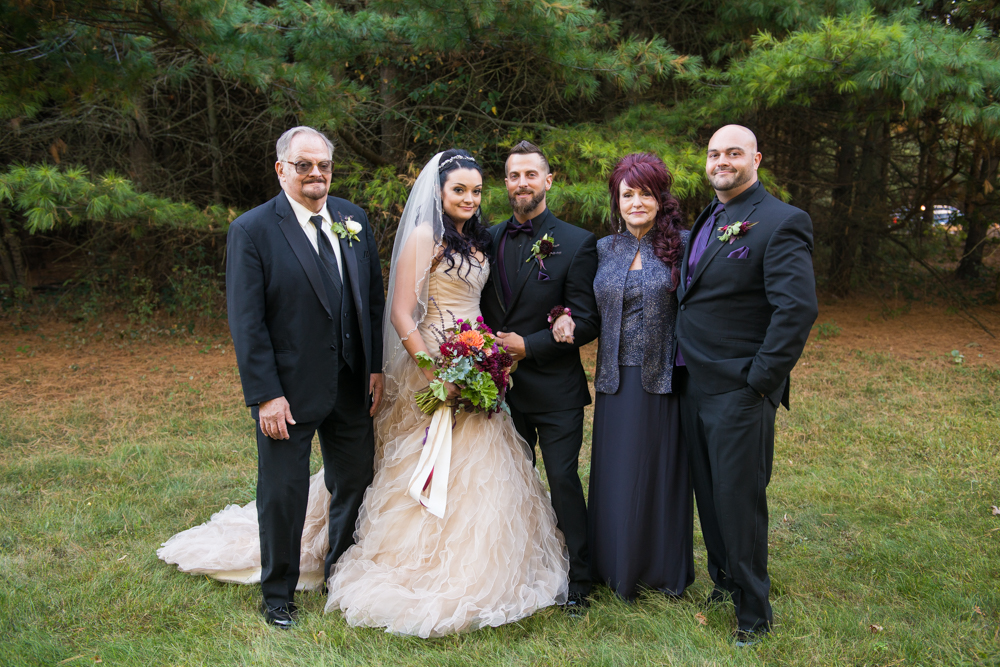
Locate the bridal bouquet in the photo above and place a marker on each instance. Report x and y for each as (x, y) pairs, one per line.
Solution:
(473, 359)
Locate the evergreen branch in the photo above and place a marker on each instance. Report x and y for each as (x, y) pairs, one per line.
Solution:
(476, 112)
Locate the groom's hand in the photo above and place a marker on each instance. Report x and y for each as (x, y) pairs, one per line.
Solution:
(375, 388)
(274, 415)
(514, 344)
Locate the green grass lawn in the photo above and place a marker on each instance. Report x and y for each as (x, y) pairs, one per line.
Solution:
(884, 549)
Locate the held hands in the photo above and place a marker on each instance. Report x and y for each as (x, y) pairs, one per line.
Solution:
(514, 344)
(375, 388)
(563, 329)
(273, 416)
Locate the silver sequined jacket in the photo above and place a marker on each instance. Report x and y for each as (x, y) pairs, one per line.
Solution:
(659, 307)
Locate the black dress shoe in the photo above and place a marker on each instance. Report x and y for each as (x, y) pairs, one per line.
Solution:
(748, 638)
(280, 617)
(576, 604)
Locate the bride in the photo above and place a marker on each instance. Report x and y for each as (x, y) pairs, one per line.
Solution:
(496, 555)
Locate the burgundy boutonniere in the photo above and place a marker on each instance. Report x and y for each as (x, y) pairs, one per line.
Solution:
(735, 230)
(541, 251)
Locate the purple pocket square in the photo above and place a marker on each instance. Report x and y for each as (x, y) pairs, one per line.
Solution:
(543, 276)
(740, 253)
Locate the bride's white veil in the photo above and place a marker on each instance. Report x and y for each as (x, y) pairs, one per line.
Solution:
(420, 231)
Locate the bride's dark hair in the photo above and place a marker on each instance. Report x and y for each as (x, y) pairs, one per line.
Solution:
(474, 235)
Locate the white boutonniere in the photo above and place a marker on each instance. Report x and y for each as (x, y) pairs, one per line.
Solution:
(347, 228)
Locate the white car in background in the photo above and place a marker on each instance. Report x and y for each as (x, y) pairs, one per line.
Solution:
(944, 215)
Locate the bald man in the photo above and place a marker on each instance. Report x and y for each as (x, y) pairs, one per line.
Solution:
(747, 299)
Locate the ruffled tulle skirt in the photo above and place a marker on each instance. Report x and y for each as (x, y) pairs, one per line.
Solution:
(227, 547)
(495, 557)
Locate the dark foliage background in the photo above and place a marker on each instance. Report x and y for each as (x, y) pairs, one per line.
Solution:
(132, 133)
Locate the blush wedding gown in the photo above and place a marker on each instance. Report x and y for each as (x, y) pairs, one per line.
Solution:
(495, 557)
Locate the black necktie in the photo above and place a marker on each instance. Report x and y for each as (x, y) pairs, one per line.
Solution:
(326, 253)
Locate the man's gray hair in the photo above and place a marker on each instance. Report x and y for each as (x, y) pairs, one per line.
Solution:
(284, 144)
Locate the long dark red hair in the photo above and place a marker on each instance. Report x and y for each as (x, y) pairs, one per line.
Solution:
(645, 171)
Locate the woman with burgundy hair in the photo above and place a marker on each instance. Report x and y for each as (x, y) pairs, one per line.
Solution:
(640, 510)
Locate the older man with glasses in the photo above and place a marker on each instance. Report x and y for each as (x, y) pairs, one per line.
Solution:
(305, 302)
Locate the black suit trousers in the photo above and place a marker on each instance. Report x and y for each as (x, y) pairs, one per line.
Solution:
(730, 439)
(347, 443)
(559, 435)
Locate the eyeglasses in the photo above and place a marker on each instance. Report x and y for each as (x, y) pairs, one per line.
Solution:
(325, 167)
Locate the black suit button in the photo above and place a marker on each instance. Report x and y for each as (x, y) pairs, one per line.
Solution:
(329, 317)
(506, 329)
(347, 335)
(345, 314)
(333, 347)
(683, 307)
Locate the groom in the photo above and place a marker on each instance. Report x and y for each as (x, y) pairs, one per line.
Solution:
(747, 299)
(305, 304)
(550, 386)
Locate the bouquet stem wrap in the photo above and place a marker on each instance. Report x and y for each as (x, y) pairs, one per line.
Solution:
(429, 482)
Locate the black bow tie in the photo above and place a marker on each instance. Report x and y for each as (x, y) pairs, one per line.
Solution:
(513, 229)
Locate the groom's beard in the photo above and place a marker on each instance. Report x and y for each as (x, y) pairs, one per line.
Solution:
(526, 206)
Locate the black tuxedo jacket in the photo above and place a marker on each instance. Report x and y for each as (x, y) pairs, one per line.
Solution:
(745, 321)
(280, 316)
(552, 377)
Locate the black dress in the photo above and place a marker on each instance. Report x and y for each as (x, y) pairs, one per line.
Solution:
(640, 508)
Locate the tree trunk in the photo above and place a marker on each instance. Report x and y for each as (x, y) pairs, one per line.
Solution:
(870, 208)
(982, 171)
(844, 240)
(213, 138)
(10, 252)
(925, 182)
(393, 125)
(800, 165)
(140, 153)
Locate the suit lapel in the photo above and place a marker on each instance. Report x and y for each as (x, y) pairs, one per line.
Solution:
(740, 212)
(349, 258)
(351, 268)
(303, 250)
(682, 288)
(526, 269)
(499, 233)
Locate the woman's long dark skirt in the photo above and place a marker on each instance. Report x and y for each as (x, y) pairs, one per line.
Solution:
(640, 507)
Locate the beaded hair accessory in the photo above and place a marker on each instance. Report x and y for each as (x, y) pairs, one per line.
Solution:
(455, 158)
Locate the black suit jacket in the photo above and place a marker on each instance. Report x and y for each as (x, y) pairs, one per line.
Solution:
(280, 314)
(552, 377)
(745, 321)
